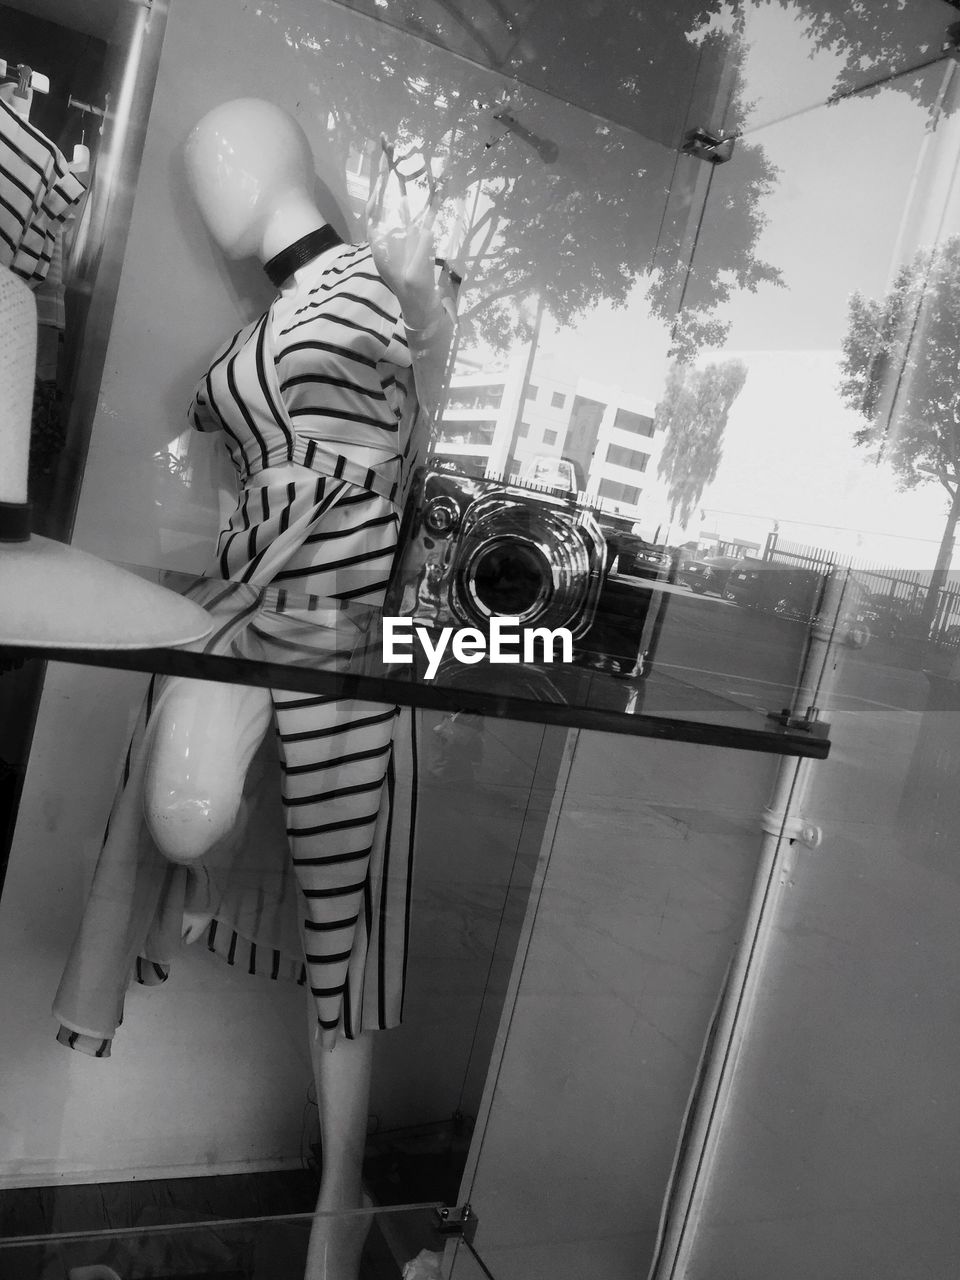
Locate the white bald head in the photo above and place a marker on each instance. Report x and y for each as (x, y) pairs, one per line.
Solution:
(250, 168)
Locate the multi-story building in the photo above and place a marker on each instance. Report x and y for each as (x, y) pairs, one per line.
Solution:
(480, 414)
(501, 419)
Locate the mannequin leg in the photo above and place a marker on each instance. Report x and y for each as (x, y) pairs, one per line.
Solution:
(204, 737)
(342, 1076)
(335, 759)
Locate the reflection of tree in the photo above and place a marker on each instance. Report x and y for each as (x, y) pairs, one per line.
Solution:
(693, 415)
(876, 40)
(587, 228)
(900, 373)
(574, 232)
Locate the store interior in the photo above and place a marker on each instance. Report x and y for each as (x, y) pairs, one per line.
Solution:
(679, 913)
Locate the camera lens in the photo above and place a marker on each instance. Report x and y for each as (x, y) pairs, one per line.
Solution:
(526, 559)
(510, 579)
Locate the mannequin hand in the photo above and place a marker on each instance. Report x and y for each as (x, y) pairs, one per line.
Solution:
(403, 244)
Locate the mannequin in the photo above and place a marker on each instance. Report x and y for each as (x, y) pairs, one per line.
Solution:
(318, 404)
(251, 173)
(250, 170)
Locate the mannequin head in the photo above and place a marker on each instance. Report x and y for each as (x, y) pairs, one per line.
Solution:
(250, 168)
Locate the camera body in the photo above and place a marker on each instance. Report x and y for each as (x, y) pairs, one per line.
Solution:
(472, 549)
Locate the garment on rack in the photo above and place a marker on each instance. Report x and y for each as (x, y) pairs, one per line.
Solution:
(50, 292)
(324, 380)
(37, 191)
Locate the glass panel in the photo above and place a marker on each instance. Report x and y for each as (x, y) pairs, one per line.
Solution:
(468, 1265)
(840, 447)
(483, 795)
(658, 70)
(81, 61)
(792, 486)
(783, 485)
(555, 133)
(88, 54)
(798, 56)
(256, 1248)
(549, 210)
(627, 64)
(640, 899)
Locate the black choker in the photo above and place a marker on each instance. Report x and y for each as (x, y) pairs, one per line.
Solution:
(300, 252)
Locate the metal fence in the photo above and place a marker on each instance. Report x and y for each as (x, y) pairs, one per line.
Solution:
(900, 593)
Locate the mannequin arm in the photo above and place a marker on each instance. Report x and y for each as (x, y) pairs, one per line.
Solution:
(403, 250)
(429, 349)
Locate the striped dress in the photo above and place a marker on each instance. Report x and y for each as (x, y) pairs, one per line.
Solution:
(324, 380)
(37, 191)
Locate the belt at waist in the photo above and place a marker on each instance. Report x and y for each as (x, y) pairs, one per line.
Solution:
(384, 479)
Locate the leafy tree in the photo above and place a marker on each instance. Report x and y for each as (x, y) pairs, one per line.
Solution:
(619, 203)
(878, 43)
(693, 414)
(610, 203)
(900, 372)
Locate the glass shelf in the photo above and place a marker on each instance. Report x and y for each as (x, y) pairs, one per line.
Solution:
(713, 695)
(409, 1239)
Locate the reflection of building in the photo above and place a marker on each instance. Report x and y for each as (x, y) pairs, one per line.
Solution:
(607, 432)
(479, 416)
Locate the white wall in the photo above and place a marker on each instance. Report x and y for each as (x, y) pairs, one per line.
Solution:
(206, 1073)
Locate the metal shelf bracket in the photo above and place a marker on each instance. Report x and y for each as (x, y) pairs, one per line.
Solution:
(460, 1221)
(704, 144)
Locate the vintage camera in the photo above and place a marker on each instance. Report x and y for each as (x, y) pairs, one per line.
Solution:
(476, 548)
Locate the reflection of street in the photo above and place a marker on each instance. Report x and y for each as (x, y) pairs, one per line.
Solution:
(751, 658)
(754, 658)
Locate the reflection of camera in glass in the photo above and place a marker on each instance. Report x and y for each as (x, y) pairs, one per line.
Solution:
(474, 549)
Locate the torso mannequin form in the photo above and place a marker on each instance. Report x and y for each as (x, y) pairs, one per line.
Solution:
(324, 377)
(251, 173)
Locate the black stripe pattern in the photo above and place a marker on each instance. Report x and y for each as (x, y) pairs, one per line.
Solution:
(37, 191)
(322, 380)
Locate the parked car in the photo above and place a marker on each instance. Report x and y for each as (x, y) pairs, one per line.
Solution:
(774, 588)
(546, 471)
(891, 618)
(629, 553)
(796, 593)
(708, 573)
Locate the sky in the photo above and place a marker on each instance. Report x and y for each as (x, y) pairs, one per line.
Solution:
(862, 185)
